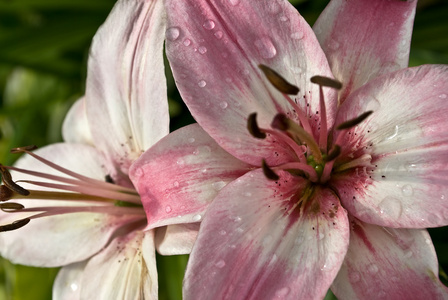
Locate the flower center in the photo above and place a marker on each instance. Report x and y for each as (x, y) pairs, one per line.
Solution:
(315, 156)
(90, 195)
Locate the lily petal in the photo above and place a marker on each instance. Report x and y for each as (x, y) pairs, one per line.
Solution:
(67, 285)
(365, 39)
(406, 184)
(126, 269)
(215, 49)
(59, 239)
(75, 128)
(176, 239)
(256, 242)
(387, 263)
(126, 86)
(179, 176)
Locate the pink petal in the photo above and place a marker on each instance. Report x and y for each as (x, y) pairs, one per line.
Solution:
(67, 285)
(365, 39)
(126, 269)
(75, 128)
(256, 243)
(60, 239)
(387, 263)
(180, 176)
(126, 98)
(407, 139)
(215, 47)
(176, 239)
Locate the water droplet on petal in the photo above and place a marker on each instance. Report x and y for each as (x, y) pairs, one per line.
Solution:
(274, 7)
(172, 33)
(209, 24)
(139, 172)
(223, 105)
(391, 207)
(334, 45)
(197, 218)
(321, 235)
(297, 35)
(407, 190)
(180, 161)
(218, 35)
(202, 50)
(217, 186)
(202, 83)
(176, 183)
(187, 42)
(282, 292)
(442, 96)
(408, 254)
(220, 264)
(354, 277)
(265, 47)
(191, 140)
(234, 2)
(372, 269)
(223, 232)
(284, 18)
(168, 209)
(73, 287)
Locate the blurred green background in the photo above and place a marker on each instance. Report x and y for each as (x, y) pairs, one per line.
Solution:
(43, 52)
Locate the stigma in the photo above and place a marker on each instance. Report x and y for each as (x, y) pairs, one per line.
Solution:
(60, 191)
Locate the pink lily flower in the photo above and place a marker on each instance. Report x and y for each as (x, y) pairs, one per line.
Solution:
(338, 183)
(83, 211)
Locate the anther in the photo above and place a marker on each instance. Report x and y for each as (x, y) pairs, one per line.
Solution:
(278, 81)
(14, 225)
(5, 193)
(280, 122)
(7, 180)
(268, 172)
(23, 149)
(10, 206)
(353, 122)
(325, 81)
(253, 128)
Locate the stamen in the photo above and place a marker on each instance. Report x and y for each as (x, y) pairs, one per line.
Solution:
(325, 81)
(363, 160)
(302, 167)
(334, 153)
(352, 123)
(11, 206)
(268, 172)
(14, 225)
(253, 128)
(5, 193)
(281, 122)
(7, 180)
(278, 81)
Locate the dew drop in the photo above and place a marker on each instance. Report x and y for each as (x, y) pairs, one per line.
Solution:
(197, 218)
(248, 194)
(274, 7)
(297, 35)
(223, 105)
(73, 287)
(191, 140)
(394, 279)
(391, 206)
(187, 42)
(234, 2)
(223, 232)
(202, 50)
(220, 264)
(407, 190)
(176, 183)
(217, 186)
(408, 254)
(354, 277)
(282, 292)
(202, 83)
(180, 161)
(321, 235)
(209, 24)
(172, 33)
(284, 18)
(333, 45)
(139, 172)
(442, 96)
(393, 133)
(168, 209)
(218, 34)
(265, 47)
(372, 269)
